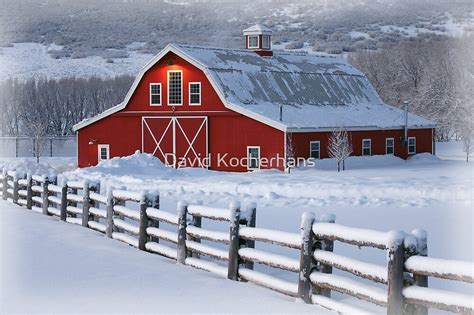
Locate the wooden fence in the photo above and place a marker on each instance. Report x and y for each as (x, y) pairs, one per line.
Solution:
(404, 276)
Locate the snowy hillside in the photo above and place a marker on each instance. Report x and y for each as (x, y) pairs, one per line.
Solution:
(84, 39)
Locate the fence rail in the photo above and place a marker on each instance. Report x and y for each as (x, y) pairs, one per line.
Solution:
(135, 217)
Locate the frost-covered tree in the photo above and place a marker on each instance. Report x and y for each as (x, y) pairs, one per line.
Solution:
(340, 146)
(467, 135)
(290, 152)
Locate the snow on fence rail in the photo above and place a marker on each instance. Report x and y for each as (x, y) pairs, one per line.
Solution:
(405, 274)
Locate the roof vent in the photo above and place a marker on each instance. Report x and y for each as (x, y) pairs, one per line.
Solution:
(259, 39)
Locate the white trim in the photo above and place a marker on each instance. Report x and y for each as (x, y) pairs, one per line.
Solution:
(269, 40)
(248, 155)
(319, 150)
(393, 146)
(189, 93)
(161, 94)
(370, 147)
(99, 149)
(238, 109)
(248, 42)
(168, 87)
(174, 122)
(408, 145)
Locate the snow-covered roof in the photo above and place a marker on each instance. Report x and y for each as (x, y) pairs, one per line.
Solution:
(257, 29)
(316, 92)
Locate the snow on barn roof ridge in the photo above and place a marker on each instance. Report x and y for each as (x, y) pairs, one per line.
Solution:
(317, 92)
(257, 29)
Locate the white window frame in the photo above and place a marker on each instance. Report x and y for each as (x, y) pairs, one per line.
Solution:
(168, 80)
(370, 147)
(248, 157)
(161, 95)
(393, 146)
(414, 145)
(189, 93)
(263, 42)
(248, 41)
(99, 151)
(319, 150)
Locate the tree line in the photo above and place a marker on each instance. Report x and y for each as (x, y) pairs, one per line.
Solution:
(40, 107)
(437, 78)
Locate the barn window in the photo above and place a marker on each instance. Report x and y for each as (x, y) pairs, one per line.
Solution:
(253, 41)
(366, 147)
(195, 93)
(104, 152)
(389, 146)
(253, 157)
(175, 87)
(411, 145)
(155, 94)
(266, 41)
(314, 149)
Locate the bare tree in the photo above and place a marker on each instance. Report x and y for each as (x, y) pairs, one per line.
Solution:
(467, 134)
(340, 146)
(290, 152)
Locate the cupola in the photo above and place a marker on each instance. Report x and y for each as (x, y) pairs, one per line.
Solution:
(259, 39)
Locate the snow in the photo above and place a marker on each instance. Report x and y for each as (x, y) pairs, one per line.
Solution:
(359, 267)
(76, 221)
(206, 265)
(209, 212)
(336, 306)
(54, 211)
(73, 209)
(462, 269)
(269, 281)
(54, 188)
(274, 260)
(76, 184)
(161, 249)
(97, 226)
(316, 91)
(132, 214)
(378, 192)
(31, 60)
(162, 215)
(75, 198)
(439, 296)
(164, 234)
(356, 287)
(364, 236)
(126, 226)
(98, 197)
(273, 236)
(125, 238)
(54, 199)
(127, 195)
(37, 199)
(98, 212)
(119, 278)
(208, 234)
(207, 250)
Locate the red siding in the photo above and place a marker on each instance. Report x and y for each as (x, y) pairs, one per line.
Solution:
(229, 132)
(423, 141)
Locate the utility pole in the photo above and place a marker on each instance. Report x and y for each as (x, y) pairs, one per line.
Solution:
(405, 139)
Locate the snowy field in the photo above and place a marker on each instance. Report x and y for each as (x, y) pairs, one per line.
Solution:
(380, 192)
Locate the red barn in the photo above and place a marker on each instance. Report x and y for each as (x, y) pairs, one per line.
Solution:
(235, 110)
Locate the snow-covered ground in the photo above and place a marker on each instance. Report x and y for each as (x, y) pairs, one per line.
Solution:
(380, 193)
(32, 60)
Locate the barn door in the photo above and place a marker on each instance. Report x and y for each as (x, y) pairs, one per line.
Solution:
(177, 141)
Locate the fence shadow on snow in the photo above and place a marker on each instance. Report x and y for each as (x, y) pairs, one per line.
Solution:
(404, 276)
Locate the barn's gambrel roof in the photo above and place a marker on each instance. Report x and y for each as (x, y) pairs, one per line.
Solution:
(316, 92)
